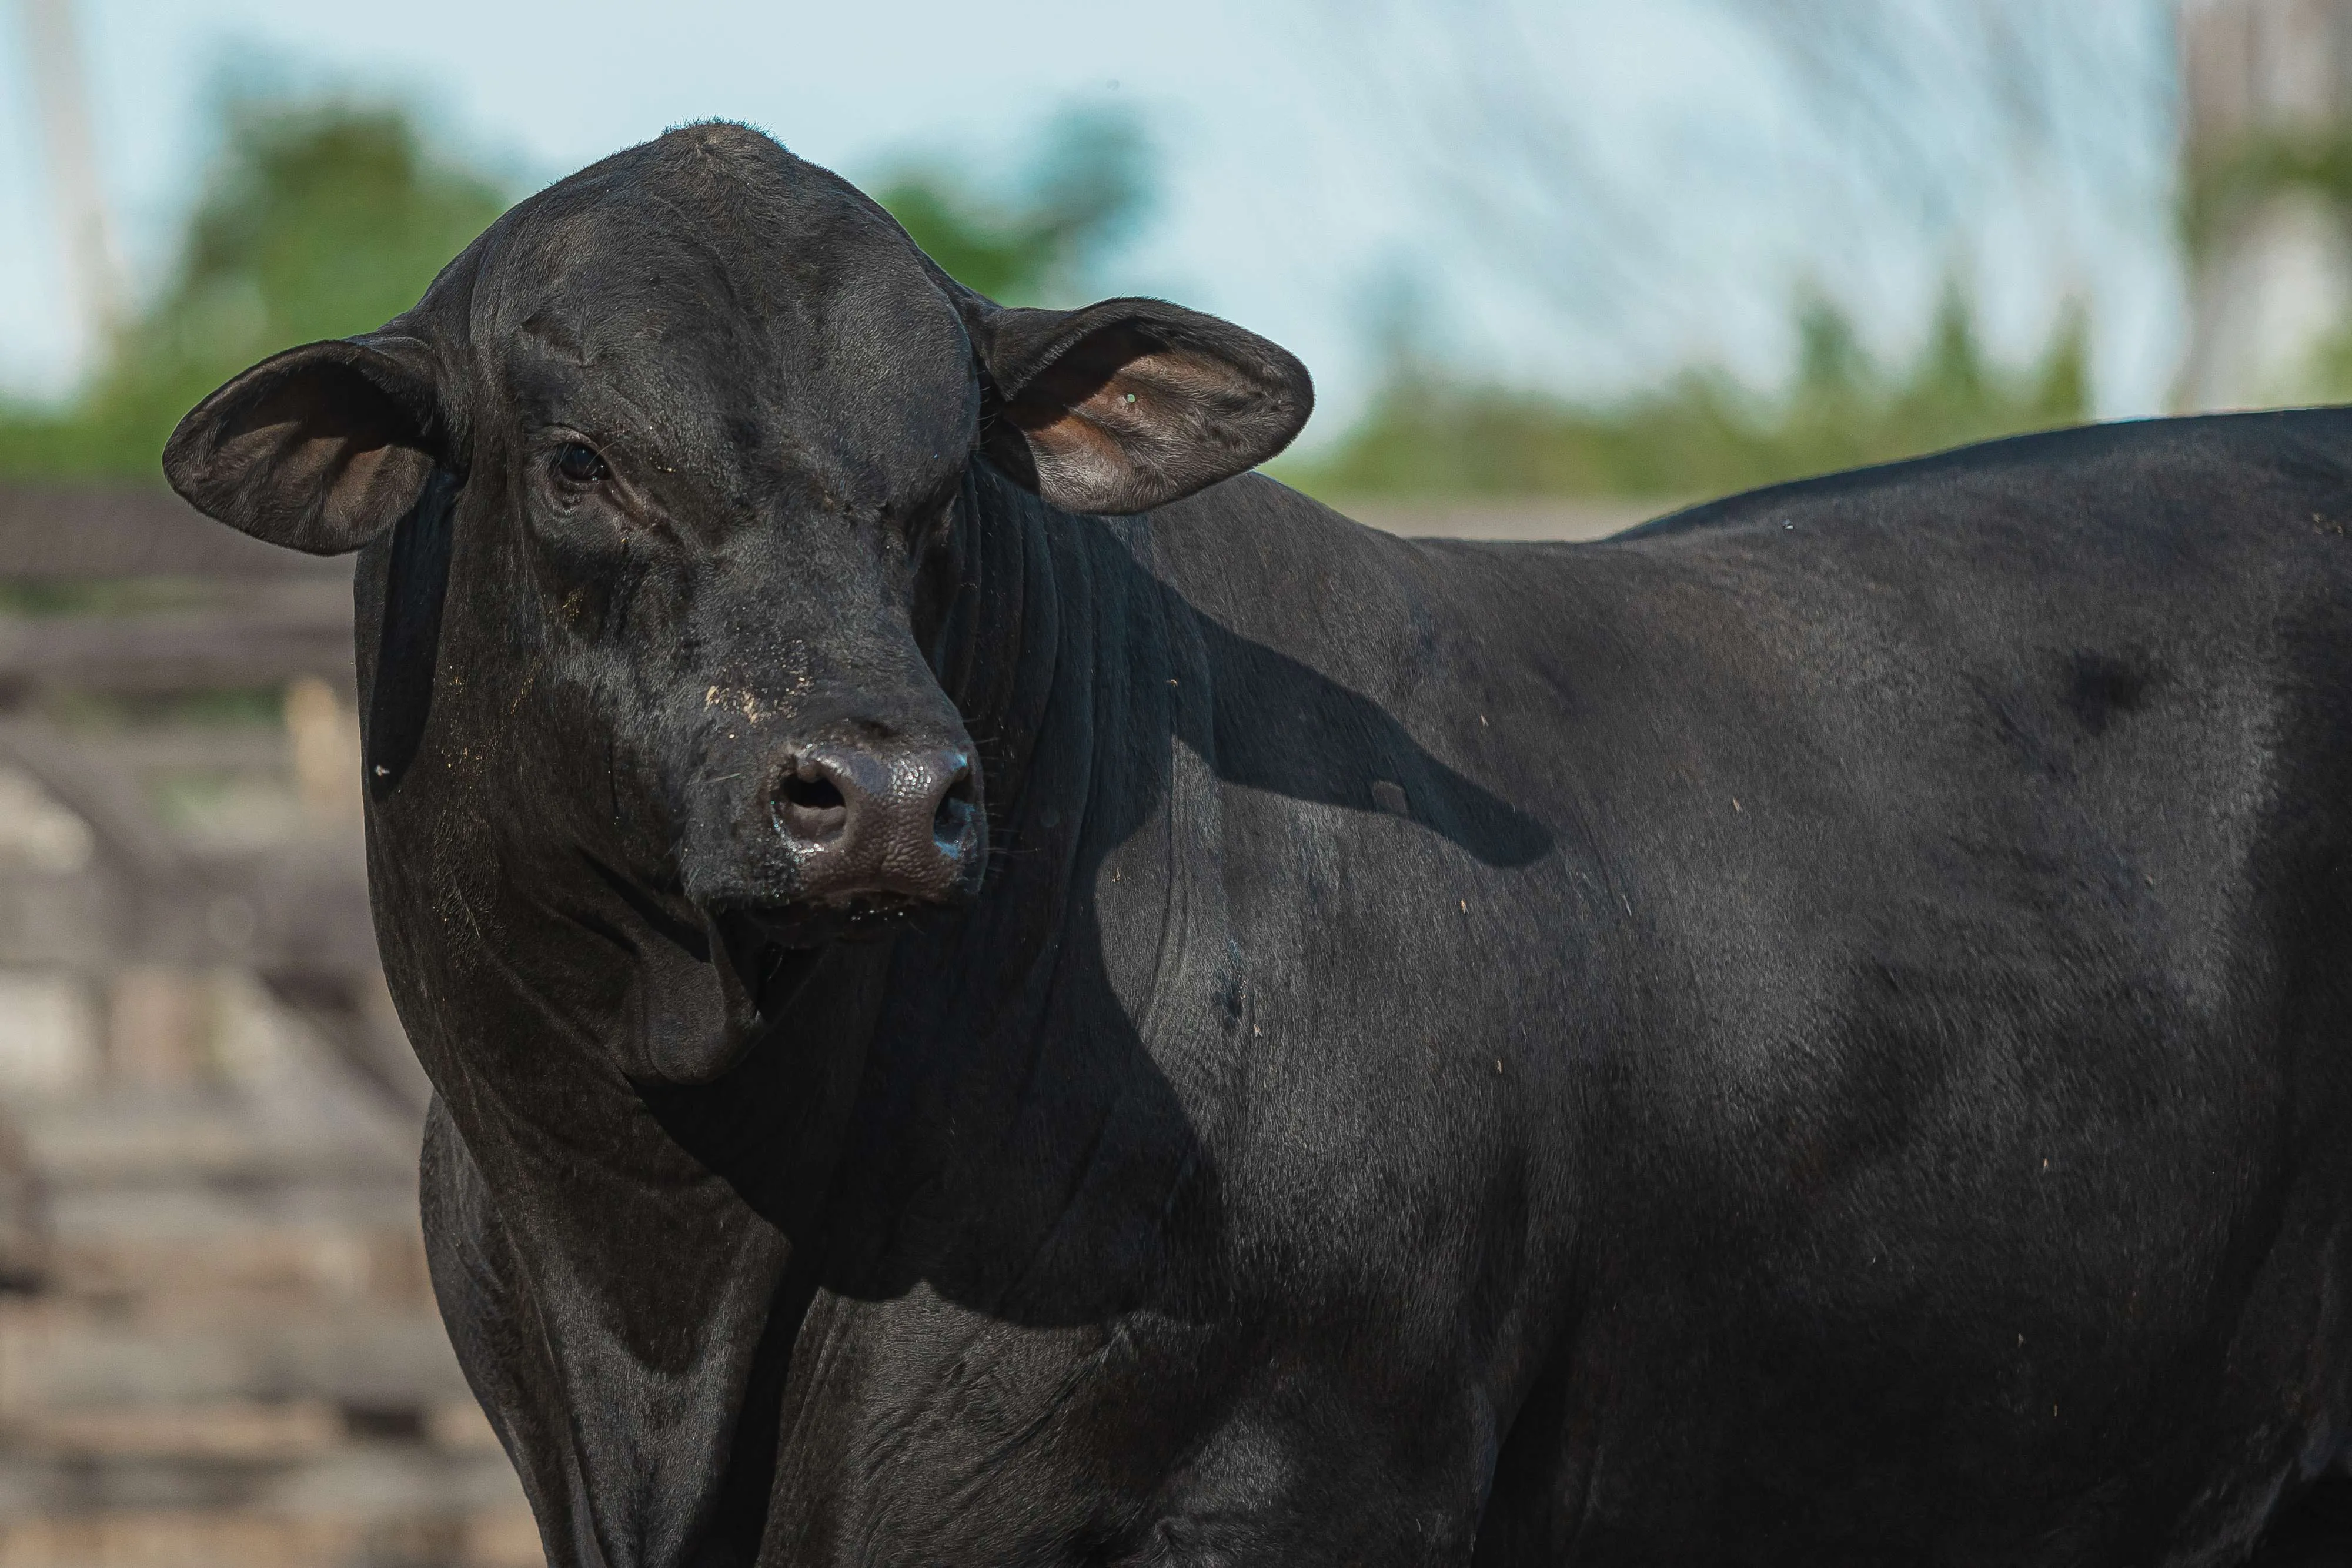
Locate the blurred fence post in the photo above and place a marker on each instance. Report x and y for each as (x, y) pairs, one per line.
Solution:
(2266, 172)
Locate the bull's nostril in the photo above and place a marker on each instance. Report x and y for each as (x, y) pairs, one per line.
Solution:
(956, 807)
(808, 804)
(818, 794)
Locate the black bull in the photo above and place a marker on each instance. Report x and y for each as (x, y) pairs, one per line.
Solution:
(970, 1029)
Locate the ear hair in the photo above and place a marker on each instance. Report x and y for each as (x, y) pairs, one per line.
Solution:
(321, 448)
(1129, 404)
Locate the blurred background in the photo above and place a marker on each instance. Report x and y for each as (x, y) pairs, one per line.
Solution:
(1556, 267)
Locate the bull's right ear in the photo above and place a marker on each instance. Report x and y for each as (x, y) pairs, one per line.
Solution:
(321, 448)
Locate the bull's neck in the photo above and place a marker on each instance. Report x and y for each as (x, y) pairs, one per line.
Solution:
(1000, 650)
(1007, 1093)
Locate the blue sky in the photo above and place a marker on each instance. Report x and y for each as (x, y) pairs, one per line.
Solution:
(1308, 156)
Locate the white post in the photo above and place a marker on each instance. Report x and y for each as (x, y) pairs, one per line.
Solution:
(53, 53)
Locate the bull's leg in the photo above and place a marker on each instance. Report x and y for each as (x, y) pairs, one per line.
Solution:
(492, 1327)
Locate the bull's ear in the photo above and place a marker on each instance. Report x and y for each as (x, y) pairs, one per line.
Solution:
(320, 448)
(1132, 404)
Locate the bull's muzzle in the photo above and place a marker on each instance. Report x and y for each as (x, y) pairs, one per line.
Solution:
(879, 824)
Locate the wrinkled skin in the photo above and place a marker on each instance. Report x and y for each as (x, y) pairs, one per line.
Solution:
(972, 1029)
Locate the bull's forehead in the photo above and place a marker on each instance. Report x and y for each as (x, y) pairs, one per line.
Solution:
(725, 305)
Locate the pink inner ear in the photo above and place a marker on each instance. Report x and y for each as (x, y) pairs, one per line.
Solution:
(368, 479)
(1139, 425)
(1086, 451)
(1143, 401)
(1124, 421)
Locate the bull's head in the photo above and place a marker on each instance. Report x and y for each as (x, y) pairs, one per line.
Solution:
(694, 423)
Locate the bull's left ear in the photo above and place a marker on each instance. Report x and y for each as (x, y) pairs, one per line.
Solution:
(1132, 404)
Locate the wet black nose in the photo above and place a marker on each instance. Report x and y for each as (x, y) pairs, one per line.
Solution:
(864, 822)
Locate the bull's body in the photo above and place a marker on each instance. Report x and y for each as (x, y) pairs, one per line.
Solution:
(1832, 1044)
(970, 1030)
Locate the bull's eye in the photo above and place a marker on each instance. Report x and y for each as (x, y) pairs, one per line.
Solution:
(578, 464)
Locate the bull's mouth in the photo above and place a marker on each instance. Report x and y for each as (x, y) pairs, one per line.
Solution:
(858, 917)
(774, 948)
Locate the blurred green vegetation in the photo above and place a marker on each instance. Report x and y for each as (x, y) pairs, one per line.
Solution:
(114, 596)
(1041, 241)
(2220, 188)
(1704, 432)
(252, 706)
(319, 218)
